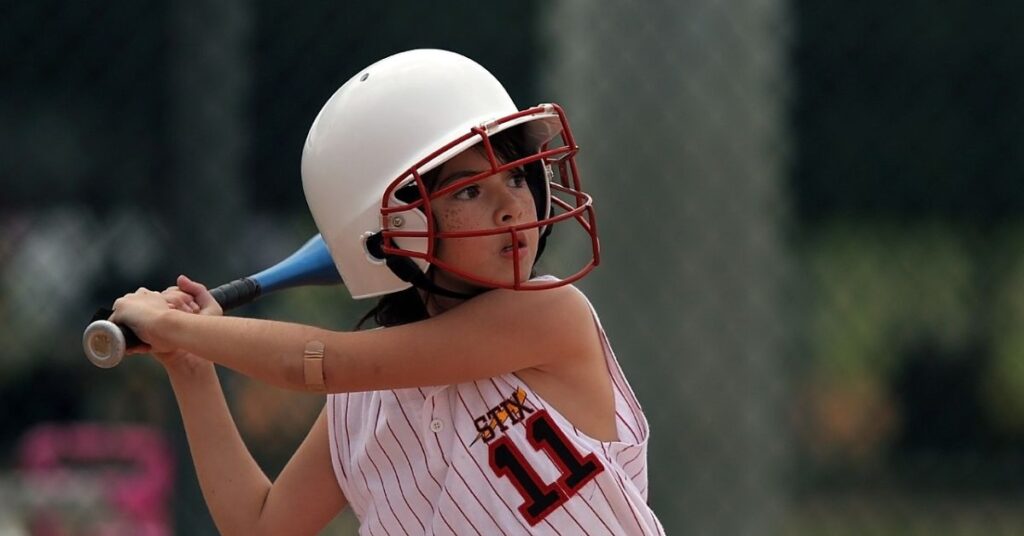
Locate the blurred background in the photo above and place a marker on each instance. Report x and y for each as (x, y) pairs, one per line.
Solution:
(810, 213)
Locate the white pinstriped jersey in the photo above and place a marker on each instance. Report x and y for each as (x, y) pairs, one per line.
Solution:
(488, 457)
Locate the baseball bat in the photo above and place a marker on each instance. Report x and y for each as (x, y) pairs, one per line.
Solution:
(105, 342)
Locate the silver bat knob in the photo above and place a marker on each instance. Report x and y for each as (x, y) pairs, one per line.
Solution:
(104, 343)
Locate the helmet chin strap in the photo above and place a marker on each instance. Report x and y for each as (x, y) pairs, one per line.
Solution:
(542, 242)
(407, 271)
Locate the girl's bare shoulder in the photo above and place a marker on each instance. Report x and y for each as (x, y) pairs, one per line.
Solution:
(561, 316)
(565, 304)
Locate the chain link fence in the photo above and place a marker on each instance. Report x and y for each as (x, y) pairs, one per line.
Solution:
(809, 212)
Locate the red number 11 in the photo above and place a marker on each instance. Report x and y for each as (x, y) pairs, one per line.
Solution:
(542, 498)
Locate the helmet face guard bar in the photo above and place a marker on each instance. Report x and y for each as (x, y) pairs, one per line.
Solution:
(577, 205)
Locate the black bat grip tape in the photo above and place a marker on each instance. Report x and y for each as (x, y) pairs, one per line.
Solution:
(236, 293)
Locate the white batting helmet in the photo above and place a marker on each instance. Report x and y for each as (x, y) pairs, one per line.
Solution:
(394, 121)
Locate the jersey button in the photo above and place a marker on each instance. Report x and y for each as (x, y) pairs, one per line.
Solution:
(436, 425)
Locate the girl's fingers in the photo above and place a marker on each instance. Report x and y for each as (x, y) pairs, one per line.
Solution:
(181, 300)
(189, 286)
(194, 288)
(202, 296)
(139, 349)
(179, 304)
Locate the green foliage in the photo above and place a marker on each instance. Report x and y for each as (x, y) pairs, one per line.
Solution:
(876, 288)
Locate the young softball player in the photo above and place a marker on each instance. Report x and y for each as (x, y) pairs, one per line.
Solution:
(489, 400)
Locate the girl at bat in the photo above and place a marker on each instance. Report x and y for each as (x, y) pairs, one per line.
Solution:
(489, 401)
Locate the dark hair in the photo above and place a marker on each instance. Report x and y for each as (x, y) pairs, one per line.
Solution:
(407, 306)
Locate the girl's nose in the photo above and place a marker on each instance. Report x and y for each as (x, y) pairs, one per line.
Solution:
(509, 210)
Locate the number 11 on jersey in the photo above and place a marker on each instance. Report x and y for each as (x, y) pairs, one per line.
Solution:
(541, 498)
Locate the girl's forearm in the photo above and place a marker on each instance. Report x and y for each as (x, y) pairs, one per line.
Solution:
(266, 350)
(232, 483)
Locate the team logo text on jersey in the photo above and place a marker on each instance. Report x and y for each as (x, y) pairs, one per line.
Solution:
(513, 410)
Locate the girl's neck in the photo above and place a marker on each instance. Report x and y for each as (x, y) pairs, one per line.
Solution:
(436, 304)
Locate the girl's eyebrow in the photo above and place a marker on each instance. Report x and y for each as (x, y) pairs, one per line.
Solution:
(456, 176)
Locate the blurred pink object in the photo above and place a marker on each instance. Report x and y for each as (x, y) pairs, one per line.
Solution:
(130, 467)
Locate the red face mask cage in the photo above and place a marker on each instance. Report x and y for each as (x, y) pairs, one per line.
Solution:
(578, 206)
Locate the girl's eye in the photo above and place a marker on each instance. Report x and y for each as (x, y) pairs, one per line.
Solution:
(468, 192)
(517, 180)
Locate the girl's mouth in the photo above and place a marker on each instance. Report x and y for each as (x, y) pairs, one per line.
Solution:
(518, 244)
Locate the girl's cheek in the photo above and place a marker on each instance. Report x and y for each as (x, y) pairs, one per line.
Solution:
(451, 219)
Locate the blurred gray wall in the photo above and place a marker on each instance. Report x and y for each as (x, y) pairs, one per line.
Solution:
(210, 72)
(679, 108)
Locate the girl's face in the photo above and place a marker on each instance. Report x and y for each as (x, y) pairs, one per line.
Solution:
(501, 200)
